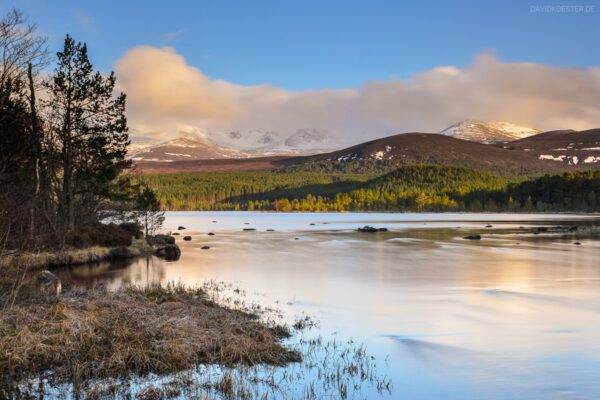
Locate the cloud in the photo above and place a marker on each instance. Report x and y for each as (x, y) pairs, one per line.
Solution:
(170, 37)
(164, 93)
(87, 22)
(164, 89)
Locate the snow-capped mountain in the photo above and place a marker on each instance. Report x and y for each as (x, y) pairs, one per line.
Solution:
(488, 131)
(198, 145)
(307, 138)
(251, 140)
(267, 142)
(187, 146)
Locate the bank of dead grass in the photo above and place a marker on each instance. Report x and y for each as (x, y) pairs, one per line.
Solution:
(102, 334)
(72, 256)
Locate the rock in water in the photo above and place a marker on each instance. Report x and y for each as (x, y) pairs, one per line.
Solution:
(170, 252)
(205, 247)
(48, 284)
(371, 229)
(180, 228)
(211, 234)
(187, 238)
(488, 226)
(473, 237)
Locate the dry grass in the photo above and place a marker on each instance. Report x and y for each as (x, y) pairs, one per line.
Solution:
(72, 256)
(100, 334)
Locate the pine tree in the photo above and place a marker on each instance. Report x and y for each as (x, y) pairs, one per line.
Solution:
(91, 130)
(148, 212)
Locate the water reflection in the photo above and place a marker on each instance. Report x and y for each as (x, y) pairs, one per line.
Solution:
(511, 316)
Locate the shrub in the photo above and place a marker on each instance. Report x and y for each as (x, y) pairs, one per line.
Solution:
(105, 235)
(133, 228)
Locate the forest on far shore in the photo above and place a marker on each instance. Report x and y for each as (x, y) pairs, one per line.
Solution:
(409, 188)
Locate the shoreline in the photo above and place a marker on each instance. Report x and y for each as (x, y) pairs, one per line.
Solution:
(83, 336)
(75, 256)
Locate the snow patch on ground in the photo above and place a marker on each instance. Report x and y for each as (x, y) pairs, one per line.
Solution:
(552, 158)
(178, 154)
(591, 159)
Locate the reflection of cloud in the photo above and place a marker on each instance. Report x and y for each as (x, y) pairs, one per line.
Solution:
(164, 92)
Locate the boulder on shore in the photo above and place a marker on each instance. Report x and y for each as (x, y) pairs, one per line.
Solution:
(48, 284)
(169, 252)
(371, 229)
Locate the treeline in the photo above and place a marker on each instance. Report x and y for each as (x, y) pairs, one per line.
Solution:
(240, 190)
(409, 188)
(60, 157)
(571, 191)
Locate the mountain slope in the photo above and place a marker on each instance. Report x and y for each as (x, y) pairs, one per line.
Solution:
(530, 155)
(567, 147)
(488, 131)
(187, 146)
(426, 148)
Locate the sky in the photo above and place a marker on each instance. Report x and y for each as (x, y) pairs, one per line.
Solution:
(358, 69)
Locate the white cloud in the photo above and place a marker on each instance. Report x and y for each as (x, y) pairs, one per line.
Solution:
(165, 92)
(86, 21)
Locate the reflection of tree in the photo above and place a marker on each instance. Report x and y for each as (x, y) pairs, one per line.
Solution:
(144, 271)
(114, 274)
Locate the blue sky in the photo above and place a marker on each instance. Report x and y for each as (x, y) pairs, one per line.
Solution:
(309, 44)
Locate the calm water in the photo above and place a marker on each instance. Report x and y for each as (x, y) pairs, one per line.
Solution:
(514, 316)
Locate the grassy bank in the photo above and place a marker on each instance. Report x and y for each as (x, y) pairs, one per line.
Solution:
(73, 256)
(100, 334)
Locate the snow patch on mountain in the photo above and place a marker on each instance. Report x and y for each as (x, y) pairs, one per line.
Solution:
(488, 131)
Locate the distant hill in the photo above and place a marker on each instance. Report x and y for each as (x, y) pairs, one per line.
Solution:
(187, 146)
(567, 148)
(488, 131)
(552, 152)
(425, 149)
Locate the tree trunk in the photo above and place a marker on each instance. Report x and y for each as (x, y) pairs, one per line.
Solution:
(35, 134)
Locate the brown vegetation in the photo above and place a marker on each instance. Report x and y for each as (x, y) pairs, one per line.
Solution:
(101, 334)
